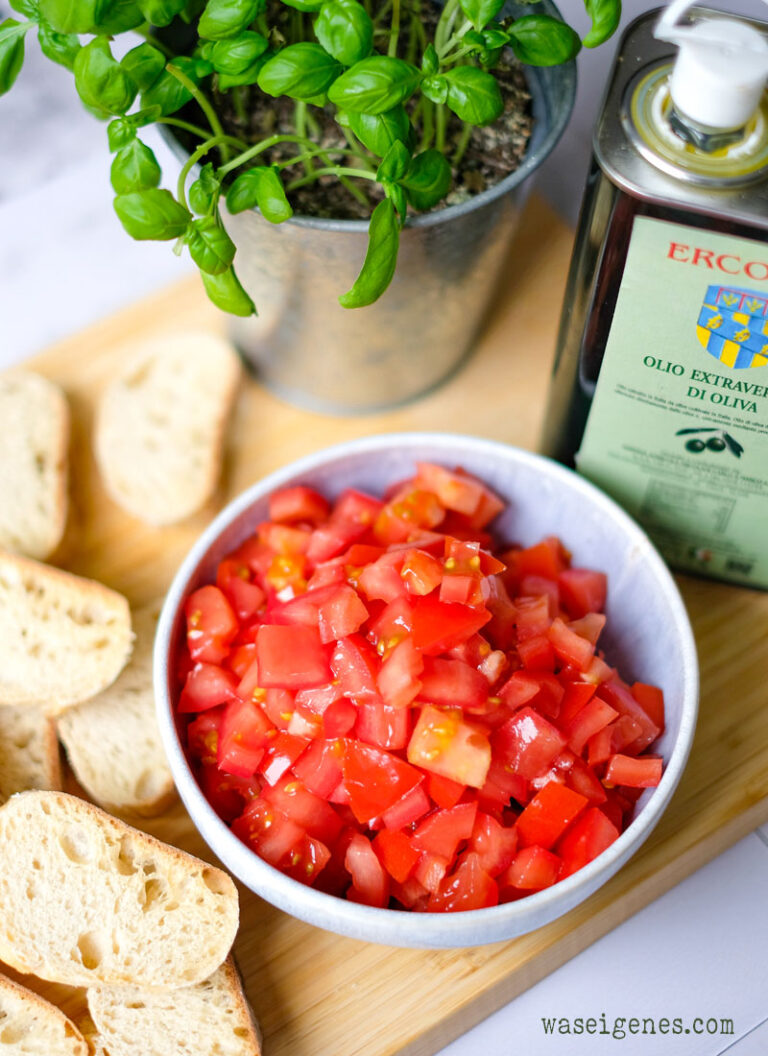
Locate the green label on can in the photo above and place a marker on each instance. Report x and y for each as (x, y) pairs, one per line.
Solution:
(678, 428)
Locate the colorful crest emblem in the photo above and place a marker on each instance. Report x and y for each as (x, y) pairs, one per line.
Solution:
(733, 326)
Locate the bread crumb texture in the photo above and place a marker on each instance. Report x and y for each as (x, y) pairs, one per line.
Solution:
(34, 443)
(87, 900)
(212, 1018)
(62, 638)
(29, 751)
(113, 741)
(30, 1026)
(160, 425)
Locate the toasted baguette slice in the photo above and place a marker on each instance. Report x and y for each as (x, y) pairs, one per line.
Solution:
(89, 901)
(212, 1018)
(34, 443)
(160, 425)
(62, 638)
(113, 743)
(30, 1026)
(29, 751)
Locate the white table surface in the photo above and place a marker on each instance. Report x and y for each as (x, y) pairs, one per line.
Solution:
(698, 954)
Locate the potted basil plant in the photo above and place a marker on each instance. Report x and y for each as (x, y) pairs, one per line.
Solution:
(361, 117)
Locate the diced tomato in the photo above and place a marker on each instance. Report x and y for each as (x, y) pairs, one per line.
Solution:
(421, 572)
(280, 755)
(319, 767)
(533, 868)
(245, 733)
(227, 794)
(312, 812)
(447, 745)
(589, 835)
(569, 646)
(548, 814)
(442, 831)
(439, 626)
(592, 718)
(298, 504)
(341, 615)
(375, 779)
(443, 791)
(398, 679)
(384, 706)
(469, 887)
(582, 591)
(291, 657)
(494, 844)
(396, 853)
(452, 683)
(651, 700)
(633, 772)
(408, 810)
(528, 743)
(370, 884)
(207, 686)
(211, 625)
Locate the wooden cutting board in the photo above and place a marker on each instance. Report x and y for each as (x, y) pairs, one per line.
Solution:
(317, 994)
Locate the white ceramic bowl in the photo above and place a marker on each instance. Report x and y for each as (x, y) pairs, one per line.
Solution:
(648, 636)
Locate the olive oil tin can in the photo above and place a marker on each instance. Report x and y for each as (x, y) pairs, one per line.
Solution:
(659, 392)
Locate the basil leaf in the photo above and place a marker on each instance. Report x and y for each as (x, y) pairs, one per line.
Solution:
(540, 40)
(29, 8)
(248, 76)
(605, 15)
(378, 132)
(72, 16)
(101, 82)
(144, 65)
(226, 293)
(227, 18)
(430, 63)
(345, 30)
(260, 188)
(134, 168)
(436, 89)
(205, 190)
(168, 93)
(161, 12)
(237, 54)
(395, 163)
(301, 71)
(152, 213)
(11, 51)
(120, 133)
(119, 16)
(380, 259)
(210, 246)
(474, 95)
(480, 12)
(58, 47)
(396, 195)
(374, 85)
(428, 179)
(308, 6)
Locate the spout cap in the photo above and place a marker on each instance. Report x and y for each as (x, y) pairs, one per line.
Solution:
(721, 69)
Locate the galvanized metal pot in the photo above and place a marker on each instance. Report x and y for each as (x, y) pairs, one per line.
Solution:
(307, 348)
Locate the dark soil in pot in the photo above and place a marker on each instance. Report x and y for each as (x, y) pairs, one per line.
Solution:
(490, 154)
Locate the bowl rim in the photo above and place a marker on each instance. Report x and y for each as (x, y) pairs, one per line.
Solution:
(395, 927)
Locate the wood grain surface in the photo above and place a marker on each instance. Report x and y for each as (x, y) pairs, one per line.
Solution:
(317, 994)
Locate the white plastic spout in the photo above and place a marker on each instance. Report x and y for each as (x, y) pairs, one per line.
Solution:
(721, 69)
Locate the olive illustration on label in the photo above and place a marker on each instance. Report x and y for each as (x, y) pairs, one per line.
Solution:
(720, 441)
